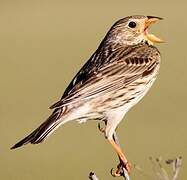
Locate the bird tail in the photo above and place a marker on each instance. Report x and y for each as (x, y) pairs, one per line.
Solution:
(43, 131)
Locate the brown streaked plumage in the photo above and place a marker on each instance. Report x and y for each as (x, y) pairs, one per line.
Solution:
(113, 80)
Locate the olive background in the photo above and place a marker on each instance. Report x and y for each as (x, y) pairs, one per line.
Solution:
(42, 46)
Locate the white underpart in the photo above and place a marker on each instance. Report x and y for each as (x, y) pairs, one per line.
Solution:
(79, 112)
(74, 115)
(89, 109)
(116, 116)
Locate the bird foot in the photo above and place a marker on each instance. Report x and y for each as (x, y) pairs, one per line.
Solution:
(120, 169)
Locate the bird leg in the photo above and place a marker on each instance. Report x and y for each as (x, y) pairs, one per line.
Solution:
(123, 160)
(124, 165)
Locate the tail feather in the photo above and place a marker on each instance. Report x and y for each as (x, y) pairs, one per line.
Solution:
(43, 131)
(24, 141)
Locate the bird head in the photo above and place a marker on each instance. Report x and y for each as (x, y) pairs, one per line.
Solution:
(133, 30)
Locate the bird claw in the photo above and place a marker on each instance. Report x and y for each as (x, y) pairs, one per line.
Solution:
(127, 167)
(122, 170)
(116, 173)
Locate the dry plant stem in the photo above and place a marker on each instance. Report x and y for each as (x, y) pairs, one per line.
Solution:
(158, 169)
(163, 172)
(159, 172)
(146, 174)
(176, 163)
(92, 176)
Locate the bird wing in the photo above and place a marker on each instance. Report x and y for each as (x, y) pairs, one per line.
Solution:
(113, 76)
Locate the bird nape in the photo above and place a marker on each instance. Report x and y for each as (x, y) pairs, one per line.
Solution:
(114, 79)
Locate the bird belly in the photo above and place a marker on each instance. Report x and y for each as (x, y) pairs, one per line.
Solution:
(115, 102)
(123, 99)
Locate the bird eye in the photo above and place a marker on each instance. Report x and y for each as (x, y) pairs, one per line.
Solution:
(132, 24)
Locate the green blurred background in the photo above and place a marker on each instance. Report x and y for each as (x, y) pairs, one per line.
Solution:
(42, 46)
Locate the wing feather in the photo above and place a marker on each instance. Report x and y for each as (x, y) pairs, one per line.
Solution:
(112, 76)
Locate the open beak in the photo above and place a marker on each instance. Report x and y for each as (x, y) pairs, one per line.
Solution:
(150, 37)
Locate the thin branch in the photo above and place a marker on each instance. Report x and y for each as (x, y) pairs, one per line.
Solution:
(176, 163)
(92, 176)
(160, 172)
(177, 166)
(158, 168)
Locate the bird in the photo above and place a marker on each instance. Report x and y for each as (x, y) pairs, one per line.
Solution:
(113, 80)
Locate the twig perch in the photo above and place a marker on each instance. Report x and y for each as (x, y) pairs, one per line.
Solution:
(159, 172)
(176, 163)
(157, 166)
(92, 176)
